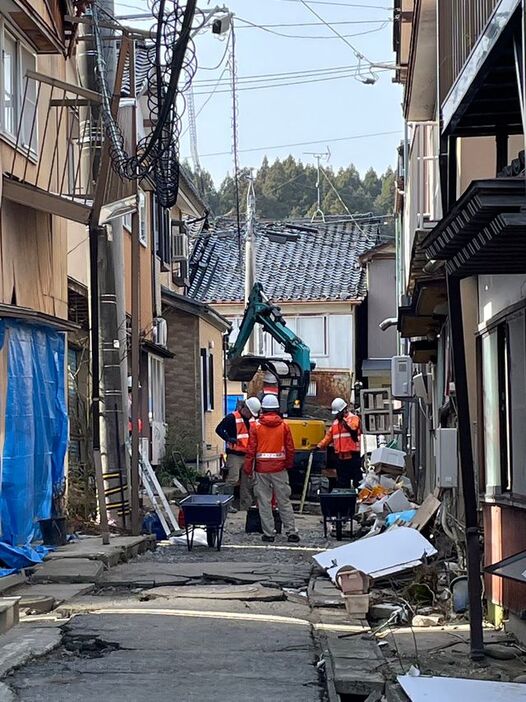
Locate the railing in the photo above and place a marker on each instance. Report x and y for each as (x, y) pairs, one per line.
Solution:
(57, 147)
(461, 22)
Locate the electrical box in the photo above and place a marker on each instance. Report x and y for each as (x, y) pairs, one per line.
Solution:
(446, 453)
(401, 377)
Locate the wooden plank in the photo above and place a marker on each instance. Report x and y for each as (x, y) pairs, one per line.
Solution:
(39, 199)
(425, 512)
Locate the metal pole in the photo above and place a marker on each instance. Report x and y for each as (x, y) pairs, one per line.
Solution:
(95, 380)
(135, 323)
(467, 468)
(250, 255)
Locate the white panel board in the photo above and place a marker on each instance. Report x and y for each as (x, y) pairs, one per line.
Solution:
(377, 556)
(435, 689)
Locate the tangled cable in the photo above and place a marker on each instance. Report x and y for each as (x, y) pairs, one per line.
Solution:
(172, 65)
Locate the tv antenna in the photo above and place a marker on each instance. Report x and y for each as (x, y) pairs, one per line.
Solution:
(319, 156)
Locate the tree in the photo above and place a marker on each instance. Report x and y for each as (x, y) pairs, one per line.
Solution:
(287, 189)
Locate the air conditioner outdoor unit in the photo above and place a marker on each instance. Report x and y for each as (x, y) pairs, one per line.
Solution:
(179, 244)
(160, 331)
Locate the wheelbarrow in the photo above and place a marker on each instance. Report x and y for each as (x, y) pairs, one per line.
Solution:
(338, 507)
(209, 512)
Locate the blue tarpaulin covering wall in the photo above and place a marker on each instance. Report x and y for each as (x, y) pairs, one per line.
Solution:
(36, 428)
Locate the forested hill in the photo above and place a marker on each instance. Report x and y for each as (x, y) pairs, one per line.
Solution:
(287, 189)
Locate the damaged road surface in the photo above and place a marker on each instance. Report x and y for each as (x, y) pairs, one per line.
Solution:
(237, 639)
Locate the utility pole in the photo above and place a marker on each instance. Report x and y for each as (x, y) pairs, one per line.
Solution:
(318, 158)
(250, 254)
(107, 387)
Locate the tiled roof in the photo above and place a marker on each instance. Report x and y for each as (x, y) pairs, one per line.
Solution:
(320, 264)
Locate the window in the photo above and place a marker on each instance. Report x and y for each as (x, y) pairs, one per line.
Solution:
(10, 84)
(207, 380)
(313, 389)
(156, 392)
(312, 329)
(17, 61)
(161, 233)
(143, 231)
(504, 404)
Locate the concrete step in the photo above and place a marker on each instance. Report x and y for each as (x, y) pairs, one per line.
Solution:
(9, 613)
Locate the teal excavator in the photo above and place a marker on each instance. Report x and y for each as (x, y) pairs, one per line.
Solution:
(293, 375)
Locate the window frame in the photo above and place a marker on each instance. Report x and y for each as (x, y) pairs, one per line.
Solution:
(156, 389)
(143, 221)
(511, 465)
(21, 45)
(207, 380)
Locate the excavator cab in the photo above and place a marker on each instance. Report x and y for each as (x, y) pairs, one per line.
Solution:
(292, 382)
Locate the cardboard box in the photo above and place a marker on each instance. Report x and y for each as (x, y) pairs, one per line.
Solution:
(356, 605)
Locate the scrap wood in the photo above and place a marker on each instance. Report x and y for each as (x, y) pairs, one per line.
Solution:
(425, 513)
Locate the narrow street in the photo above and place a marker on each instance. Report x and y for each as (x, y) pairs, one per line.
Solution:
(129, 641)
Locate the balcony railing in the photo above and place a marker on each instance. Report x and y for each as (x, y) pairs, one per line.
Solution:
(461, 22)
(56, 150)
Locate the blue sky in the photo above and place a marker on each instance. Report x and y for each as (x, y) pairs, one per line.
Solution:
(324, 110)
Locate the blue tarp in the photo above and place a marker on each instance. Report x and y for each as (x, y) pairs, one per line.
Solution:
(36, 430)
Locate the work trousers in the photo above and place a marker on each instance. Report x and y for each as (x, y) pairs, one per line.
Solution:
(278, 484)
(236, 475)
(349, 470)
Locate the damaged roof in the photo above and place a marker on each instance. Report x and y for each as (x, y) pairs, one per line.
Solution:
(314, 262)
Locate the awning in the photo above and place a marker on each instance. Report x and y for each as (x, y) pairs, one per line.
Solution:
(485, 231)
(423, 350)
(424, 315)
(376, 366)
(26, 314)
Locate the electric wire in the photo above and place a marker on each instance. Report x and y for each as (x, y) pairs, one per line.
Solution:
(306, 143)
(205, 103)
(172, 65)
(309, 24)
(308, 81)
(316, 37)
(280, 75)
(356, 52)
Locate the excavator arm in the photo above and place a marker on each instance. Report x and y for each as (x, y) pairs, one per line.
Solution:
(260, 310)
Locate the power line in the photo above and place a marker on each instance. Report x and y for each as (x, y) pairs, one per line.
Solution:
(329, 26)
(309, 24)
(205, 103)
(305, 143)
(352, 74)
(306, 36)
(344, 4)
(256, 77)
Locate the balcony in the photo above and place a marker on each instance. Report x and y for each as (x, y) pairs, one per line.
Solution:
(478, 40)
(56, 149)
(461, 22)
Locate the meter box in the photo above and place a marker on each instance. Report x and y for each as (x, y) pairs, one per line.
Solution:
(401, 377)
(446, 453)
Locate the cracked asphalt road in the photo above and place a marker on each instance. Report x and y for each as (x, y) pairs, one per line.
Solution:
(122, 647)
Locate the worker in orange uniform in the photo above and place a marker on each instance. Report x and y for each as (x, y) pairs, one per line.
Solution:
(270, 384)
(344, 434)
(270, 455)
(235, 429)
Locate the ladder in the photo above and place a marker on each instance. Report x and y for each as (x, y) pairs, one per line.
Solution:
(156, 494)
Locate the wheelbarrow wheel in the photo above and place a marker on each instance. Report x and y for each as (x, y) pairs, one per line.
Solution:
(211, 536)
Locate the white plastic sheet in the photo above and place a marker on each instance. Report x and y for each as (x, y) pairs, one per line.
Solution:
(381, 555)
(435, 689)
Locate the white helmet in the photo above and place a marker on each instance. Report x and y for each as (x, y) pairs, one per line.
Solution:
(270, 402)
(254, 405)
(269, 377)
(338, 405)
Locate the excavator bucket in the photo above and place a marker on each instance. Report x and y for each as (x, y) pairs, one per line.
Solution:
(244, 368)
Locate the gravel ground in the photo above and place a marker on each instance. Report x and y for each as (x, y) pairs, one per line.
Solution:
(241, 547)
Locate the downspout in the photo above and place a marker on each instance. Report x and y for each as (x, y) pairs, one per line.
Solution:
(466, 467)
